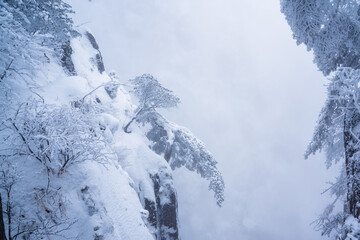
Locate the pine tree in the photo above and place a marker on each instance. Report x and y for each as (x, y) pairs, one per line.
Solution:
(31, 33)
(331, 29)
(151, 95)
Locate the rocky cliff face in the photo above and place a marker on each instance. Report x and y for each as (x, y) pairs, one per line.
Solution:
(180, 148)
(151, 176)
(67, 168)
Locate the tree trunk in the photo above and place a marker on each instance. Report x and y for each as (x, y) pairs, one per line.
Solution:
(2, 225)
(8, 212)
(136, 115)
(352, 204)
(128, 125)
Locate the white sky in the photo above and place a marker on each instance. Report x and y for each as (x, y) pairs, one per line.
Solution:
(247, 91)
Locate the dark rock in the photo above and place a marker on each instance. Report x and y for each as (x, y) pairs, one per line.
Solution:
(183, 149)
(66, 61)
(99, 237)
(169, 212)
(100, 63)
(151, 208)
(85, 189)
(89, 201)
(111, 90)
(98, 58)
(92, 40)
(166, 213)
(159, 137)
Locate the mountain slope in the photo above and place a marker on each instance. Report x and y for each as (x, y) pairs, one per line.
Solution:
(68, 169)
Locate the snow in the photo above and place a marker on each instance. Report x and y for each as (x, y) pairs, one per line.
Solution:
(115, 189)
(97, 199)
(80, 174)
(65, 89)
(83, 56)
(121, 207)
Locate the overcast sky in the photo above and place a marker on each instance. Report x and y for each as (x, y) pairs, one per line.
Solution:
(247, 91)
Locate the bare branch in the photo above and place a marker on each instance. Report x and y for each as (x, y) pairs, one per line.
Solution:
(6, 69)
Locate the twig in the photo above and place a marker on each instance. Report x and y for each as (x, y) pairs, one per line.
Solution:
(7, 68)
(26, 144)
(43, 204)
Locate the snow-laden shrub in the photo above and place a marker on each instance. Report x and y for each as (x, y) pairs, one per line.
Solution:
(56, 136)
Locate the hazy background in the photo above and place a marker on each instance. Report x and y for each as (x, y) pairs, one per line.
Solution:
(247, 91)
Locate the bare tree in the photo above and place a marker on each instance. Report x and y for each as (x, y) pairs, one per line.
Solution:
(20, 221)
(8, 176)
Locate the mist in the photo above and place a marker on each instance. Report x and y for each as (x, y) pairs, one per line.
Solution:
(248, 92)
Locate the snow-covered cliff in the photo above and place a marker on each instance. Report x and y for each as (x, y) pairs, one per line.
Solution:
(67, 167)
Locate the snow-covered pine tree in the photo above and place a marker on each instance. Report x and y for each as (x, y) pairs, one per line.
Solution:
(331, 29)
(178, 145)
(48, 17)
(151, 95)
(32, 31)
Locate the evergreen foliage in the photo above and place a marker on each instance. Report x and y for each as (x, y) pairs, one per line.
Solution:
(331, 29)
(150, 95)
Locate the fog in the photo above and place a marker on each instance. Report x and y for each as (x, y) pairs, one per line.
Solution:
(248, 92)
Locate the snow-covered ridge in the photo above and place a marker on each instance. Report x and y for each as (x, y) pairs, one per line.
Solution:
(68, 168)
